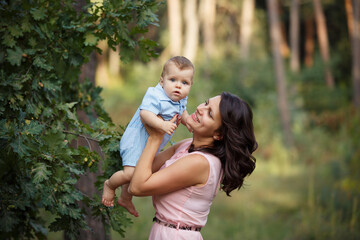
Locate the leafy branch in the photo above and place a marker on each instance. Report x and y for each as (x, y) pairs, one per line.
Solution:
(43, 45)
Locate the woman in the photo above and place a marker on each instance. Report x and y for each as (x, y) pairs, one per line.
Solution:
(184, 178)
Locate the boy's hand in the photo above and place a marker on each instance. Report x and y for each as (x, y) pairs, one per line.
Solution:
(168, 127)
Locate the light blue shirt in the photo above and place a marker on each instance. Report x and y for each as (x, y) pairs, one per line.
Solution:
(135, 136)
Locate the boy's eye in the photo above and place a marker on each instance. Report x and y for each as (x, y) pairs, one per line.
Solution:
(172, 79)
(185, 82)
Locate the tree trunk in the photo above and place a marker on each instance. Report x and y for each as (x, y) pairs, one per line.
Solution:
(356, 54)
(285, 50)
(247, 15)
(192, 29)
(294, 36)
(86, 183)
(114, 61)
(323, 41)
(309, 42)
(175, 27)
(102, 76)
(275, 35)
(350, 17)
(207, 14)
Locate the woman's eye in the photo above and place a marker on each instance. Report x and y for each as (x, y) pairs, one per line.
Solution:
(206, 102)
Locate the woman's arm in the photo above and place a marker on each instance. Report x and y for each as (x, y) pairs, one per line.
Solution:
(165, 155)
(191, 170)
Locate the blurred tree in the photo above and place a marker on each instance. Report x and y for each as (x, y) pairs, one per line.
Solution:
(246, 25)
(191, 29)
(295, 36)
(175, 27)
(323, 41)
(275, 35)
(285, 50)
(309, 41)
(114, 61)
(349, 16)
(356, 54)
(207, 14)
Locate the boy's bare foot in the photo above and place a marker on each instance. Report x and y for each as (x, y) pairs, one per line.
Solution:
(108, 195)
(128, 205)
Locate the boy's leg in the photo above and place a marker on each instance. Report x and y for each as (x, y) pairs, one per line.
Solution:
(116, 180)
(125, 200)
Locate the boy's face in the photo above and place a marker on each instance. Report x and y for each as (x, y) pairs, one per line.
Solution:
(177, 83)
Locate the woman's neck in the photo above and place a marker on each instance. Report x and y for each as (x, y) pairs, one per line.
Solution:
(202, 142)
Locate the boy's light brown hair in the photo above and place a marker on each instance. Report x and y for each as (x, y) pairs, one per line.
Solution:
(180, 62)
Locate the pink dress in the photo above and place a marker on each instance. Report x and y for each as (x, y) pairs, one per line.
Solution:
(186, 207)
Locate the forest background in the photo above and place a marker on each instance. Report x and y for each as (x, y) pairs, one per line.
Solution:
(296, 62)
(293, 61)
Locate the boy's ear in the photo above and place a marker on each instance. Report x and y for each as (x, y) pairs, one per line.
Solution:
(161, 81)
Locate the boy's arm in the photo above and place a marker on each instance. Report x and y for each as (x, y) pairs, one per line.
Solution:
(149, 118)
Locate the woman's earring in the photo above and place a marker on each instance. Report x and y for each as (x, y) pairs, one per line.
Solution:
(217, 137)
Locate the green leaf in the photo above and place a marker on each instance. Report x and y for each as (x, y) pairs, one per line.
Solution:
(33, 127)
(40, 173)
(41, 63)
(54, 139)
(74, 213)
(19, 147)
(8, 40)
(14, 56)
(70, 105)
(28, 189)
(90, 39)
(76, 60)
(26, 26)
(38, 14)
(74, 170)
(32, 42)
(31, 108)
(15, 31)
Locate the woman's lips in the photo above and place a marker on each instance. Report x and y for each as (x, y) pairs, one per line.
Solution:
(194, 117)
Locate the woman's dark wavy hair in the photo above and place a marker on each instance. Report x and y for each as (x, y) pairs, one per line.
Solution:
(237, 144)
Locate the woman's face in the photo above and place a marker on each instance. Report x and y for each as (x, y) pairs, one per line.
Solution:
(206, 119)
